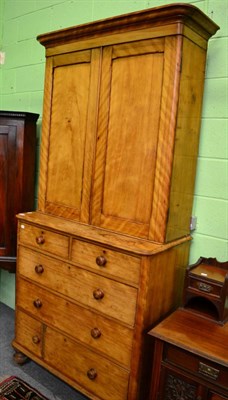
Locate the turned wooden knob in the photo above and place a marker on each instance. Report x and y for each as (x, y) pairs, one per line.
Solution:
(101, 261)
(40, 239)
(36, 339)
(98, 294)
(37, 303)
(92, 373)
(95, 333)
(39, 269)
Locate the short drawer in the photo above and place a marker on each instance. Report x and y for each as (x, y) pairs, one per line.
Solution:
(99, 333)
(96, 374)
(29, 333)
(37, 266)
(44, 240)
(105, 261)
(200, 366)
(107, 296)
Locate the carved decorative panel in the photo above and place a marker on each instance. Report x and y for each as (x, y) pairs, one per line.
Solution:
(179, 389)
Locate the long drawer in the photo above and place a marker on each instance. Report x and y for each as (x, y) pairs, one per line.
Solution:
(97, 292)
(93, 372)
(101, 334)
(43, 239)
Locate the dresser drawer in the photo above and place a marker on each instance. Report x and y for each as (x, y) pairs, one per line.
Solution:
(37, 266)
(29, 333)
(208, 288)
(100, 333)
(218, 374)
(111, 298)
(91, 371)
(44, 240)
(105, 261)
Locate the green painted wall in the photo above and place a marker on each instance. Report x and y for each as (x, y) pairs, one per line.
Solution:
(21, 88)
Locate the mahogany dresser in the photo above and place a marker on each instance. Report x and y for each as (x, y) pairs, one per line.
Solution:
(103, 258)
(17, 177)
(190, 358)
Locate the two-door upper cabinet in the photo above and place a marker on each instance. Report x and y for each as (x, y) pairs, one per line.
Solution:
(17, 177)
(121, 121)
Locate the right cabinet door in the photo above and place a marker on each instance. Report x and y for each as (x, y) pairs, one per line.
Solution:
(135, 134)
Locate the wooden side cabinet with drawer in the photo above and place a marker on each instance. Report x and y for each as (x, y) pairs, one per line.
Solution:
(190, 359)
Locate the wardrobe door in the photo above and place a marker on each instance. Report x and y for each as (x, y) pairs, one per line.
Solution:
(134, 140)
(8, 180)
(68, 134)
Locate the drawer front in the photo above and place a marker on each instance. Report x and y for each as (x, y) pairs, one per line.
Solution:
(91, 371)
(29, 333)
(101, 334)
(43, 240)
(105, 261)
(205, 287)
(37, 266)
(202, 367)
(111, 298)
(216, 396)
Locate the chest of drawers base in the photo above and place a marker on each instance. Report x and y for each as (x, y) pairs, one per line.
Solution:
(83, 305)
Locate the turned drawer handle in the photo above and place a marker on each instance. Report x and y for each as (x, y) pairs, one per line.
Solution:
(39, 269)
(95, 333)
(40, 240)
(36, 339)
(101, 261)
(92, 374)
(37, 303)
(98, 294)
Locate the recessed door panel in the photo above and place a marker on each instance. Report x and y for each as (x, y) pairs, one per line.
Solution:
(7, 186)
(67, 135)
(132, 137)
(3, 180)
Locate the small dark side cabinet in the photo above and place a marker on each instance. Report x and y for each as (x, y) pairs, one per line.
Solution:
(190, 358)
(17, 177)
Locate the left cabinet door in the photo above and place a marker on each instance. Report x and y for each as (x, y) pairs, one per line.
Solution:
(69, 133)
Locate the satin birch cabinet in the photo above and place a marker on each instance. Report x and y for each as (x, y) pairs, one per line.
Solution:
(103, 258)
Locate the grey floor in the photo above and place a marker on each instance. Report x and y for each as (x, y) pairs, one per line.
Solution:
(50, 386)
